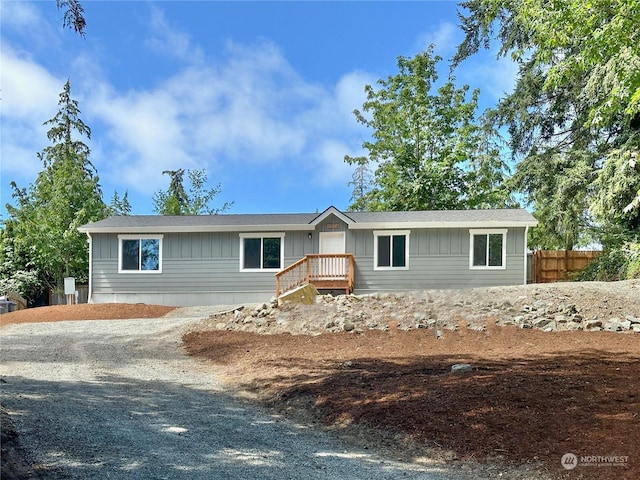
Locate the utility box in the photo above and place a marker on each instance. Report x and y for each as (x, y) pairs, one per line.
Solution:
(70, 289)
(69, 286)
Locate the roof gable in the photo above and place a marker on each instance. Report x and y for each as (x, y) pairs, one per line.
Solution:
(329, 211)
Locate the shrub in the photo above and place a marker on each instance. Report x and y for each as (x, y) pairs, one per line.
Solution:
(617, 263)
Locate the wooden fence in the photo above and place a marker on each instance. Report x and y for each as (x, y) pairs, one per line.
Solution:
(61, 299)
(559, 265)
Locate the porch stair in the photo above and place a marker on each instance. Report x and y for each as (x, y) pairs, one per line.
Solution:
(334, 271)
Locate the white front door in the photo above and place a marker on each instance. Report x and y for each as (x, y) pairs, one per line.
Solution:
(332, 268)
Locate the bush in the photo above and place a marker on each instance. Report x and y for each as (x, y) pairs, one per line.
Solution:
(618, 263)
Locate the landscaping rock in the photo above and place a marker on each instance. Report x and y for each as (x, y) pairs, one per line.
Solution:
(461, 367)
(617, 325)
(558, 307)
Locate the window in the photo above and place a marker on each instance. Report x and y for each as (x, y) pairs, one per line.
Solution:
(391, 250)
(261, 251)
(488, 249)
(140, 253)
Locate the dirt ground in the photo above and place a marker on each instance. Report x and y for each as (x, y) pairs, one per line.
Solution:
(531, 396)
(105, 311)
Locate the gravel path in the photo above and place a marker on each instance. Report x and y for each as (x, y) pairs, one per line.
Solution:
(120, 399)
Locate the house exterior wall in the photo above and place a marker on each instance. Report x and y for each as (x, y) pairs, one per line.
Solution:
(438, 259)
(204, 268)
(197, 269)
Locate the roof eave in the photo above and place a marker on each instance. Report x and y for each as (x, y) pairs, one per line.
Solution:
(443, 224)
(194, 228)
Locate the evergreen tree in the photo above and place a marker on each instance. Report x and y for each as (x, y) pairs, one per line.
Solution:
(574, 115)
(66, 194)
(119, 206)
(176, 201)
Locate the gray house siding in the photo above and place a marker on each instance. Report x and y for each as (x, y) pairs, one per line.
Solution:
(438, 258)
(197, 268)
(201, 255)
(202, 268)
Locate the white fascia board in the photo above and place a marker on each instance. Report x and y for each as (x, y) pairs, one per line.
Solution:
(195, 229)
(329, 211)
(414, 225)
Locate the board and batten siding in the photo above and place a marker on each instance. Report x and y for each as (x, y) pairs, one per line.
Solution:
(438, 259)
(197, 269)
(204, 268)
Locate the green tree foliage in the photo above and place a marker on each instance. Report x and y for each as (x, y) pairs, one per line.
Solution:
(575, 110)
(177, 201)
(361, 182)
(73, 15)
(65, 195)
(428, 148)
(17, 271)
(558, 187)
(119, 206)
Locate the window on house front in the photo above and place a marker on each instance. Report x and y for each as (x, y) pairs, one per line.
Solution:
(261, 251)
(488, 249)
(140, 253)
(391, 250)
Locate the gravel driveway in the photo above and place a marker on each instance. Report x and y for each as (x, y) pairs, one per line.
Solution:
(120, 399)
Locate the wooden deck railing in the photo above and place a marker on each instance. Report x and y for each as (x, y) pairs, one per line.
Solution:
(329, 271)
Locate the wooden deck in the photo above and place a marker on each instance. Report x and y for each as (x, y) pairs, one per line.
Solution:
(326, 271)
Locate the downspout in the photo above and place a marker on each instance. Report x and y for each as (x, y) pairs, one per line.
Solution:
(526, 253)
(90, 240)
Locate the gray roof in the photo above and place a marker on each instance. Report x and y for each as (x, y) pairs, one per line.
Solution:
(307, 221)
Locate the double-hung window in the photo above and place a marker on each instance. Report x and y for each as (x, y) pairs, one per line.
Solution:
(488, 249)
(140, 253)
(391, 250)
(261, 251)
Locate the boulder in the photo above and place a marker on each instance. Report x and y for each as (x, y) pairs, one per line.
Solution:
(593, 324)
(617, 325)
(461, 367)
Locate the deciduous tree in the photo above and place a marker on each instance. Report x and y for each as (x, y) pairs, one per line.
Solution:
(428, 148)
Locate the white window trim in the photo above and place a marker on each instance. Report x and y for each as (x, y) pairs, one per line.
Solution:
(387, 233)
(140, 237)
(261, 236)
(488, 231)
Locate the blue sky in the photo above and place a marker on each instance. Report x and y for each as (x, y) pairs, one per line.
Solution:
(260, 94)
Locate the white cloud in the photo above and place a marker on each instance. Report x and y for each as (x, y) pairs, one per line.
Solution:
(166, 40)
(29, 98)
(26, 20)
(494, 77)
(19, 15)
(29, 91)
(250, 108)
(329, 166)
(445, 38)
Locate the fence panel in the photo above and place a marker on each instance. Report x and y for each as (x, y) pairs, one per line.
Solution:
(61, 298)
(560, 265)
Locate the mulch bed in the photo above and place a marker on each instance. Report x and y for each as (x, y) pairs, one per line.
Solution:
(532, 396)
